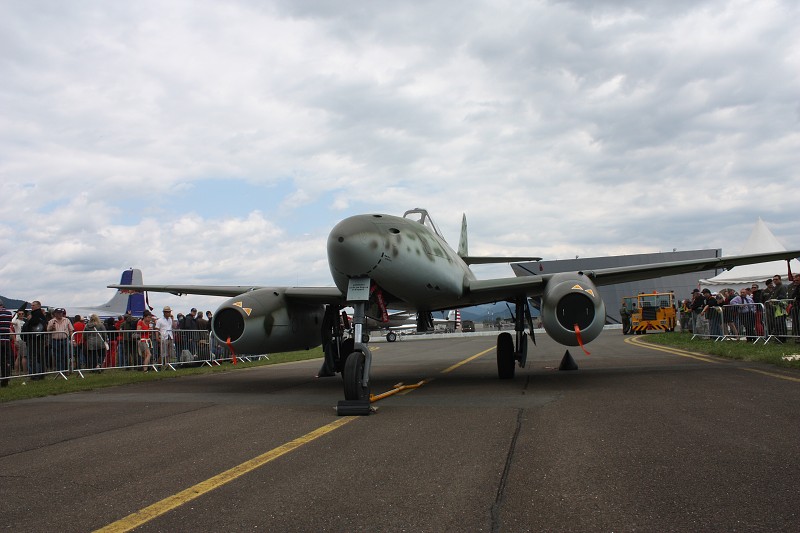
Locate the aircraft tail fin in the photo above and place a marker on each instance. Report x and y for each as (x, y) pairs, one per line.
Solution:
(462, 242)
(464, 253)
(455, 316)
(127, 300)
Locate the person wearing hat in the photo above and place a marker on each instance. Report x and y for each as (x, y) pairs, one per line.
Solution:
(166, 336)
(6, 351)
(60, 329)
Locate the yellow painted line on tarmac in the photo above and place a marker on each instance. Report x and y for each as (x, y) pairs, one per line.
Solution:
(673, 351)
(157, 509)
(773, 374)
(465, 361)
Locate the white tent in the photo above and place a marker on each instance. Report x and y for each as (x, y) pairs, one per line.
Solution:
(761, 240)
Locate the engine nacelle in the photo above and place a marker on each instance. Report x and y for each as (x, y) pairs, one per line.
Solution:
(263, 321)
(569, 299)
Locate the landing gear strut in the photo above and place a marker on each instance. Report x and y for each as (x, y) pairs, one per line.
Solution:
(334, 344)
(355, 374)
(509, 350)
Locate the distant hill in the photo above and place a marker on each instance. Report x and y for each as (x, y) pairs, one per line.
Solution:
(479, 313)
(12, 303)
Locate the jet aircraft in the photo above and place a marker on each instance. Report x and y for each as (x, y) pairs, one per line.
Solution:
(382, 261)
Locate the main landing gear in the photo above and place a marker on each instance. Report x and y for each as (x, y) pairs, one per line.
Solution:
(510, 350)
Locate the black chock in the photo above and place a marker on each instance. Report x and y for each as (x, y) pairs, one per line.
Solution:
(353, 408)
(567, 362)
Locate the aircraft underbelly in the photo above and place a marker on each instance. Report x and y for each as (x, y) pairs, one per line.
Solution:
(424, 282)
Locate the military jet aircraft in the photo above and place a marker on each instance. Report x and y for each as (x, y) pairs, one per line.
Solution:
(384, 261)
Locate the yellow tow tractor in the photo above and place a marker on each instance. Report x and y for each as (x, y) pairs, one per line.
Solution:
(654, 311)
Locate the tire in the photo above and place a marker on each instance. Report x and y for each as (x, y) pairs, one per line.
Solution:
(505, 356)
(391, 336)
(352, 374)
(348, 346)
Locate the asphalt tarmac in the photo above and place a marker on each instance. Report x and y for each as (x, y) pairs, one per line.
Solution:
(638, 439)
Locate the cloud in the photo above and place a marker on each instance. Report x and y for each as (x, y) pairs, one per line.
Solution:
(219, 143)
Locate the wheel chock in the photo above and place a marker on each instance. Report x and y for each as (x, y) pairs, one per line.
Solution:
(353, 408)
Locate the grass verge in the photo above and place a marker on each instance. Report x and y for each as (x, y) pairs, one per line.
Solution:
(23, 388)
(773, 353)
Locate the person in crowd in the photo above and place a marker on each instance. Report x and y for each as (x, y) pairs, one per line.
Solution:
(6, 347)
(776, 313)
(781, 291)
(741, 304)
(625, 315)
(77, 341)
(144, 342)
(794, 307)
(685, 313)
(697, 304)
(190, 327)
(166, 336)
(712, 311)
(202, 336)
(20, 348)
(110, 325)
(766, 292)
(755, 292)
(208, 318)
(127, 346)
(36, 342)
(61, 330)
(202, 322)
(97, 342)
(728, 313)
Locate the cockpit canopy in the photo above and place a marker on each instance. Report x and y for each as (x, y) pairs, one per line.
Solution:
(422, 216)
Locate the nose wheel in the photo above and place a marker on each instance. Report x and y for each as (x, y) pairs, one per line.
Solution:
(353, 376)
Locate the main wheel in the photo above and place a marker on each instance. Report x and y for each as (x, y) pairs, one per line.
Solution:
(505, 356)
(352, 375)
(391, 336)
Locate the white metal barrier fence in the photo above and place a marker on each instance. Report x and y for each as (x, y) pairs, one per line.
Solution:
(38, 354)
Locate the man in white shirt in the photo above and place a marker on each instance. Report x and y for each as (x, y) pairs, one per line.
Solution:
(166, 336)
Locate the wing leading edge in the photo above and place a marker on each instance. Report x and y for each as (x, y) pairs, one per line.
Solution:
(320, 295)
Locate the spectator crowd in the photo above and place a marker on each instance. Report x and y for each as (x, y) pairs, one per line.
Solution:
(748, 313)
(35, 341)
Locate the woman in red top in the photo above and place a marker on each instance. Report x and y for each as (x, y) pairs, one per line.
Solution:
(143, 326)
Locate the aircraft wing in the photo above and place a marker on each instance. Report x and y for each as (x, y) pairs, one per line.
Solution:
(495, 290)
(488, 260)
(307, 294)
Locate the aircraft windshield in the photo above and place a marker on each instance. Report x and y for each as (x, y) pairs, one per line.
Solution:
(422, 216)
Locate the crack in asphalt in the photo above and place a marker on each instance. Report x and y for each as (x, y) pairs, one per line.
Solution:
(501, 488)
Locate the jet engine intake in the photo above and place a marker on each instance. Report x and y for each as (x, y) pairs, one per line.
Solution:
(571, 299)
(264, 321)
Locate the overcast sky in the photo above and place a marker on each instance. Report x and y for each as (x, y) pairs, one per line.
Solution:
(219, 142)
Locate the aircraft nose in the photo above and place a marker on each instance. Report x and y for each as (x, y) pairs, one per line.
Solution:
(355, 247)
